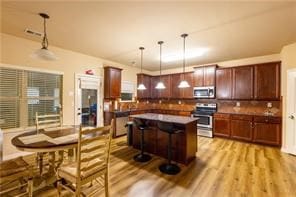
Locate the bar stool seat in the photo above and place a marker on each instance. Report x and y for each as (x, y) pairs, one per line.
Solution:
(169, 167)
(142, 126)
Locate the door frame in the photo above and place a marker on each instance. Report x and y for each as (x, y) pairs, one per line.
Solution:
(78, 77)
(290, 135)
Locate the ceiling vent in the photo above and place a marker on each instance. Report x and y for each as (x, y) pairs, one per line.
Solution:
(33, 33)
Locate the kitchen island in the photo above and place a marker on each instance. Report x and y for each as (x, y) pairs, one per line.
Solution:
(184, 145)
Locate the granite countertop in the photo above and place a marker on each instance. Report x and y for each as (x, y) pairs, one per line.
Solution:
(165, 118)
(249, 113)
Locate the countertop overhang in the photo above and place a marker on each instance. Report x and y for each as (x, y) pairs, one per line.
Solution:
(165, 118)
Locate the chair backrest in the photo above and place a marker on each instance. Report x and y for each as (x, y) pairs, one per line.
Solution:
(166, 126)
(1, 145)
(48, 121)
(93, 150)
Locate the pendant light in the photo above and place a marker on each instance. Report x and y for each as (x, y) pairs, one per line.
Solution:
(160, 84)
(141, 85)
(44, 53)
(184, 83)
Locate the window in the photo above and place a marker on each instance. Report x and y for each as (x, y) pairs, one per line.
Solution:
(23, 93)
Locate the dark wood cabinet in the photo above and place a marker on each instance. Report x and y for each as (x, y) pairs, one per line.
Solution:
(165, 93)
(242, 83)
(241, 127)
(146, 80)
(175, 81)
(258, 129)
(222, 125)
(267, 81)
(204, 76)
(224, 83)
(188, 92)
(112, 82)
(267, 130)
(154, 92)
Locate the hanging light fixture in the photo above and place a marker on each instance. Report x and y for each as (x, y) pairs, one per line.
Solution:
(160, 84)
(141, 85)
(184, 83)
(44, 53)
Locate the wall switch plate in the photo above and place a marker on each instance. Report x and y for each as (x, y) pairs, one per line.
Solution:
(160, 102)
(269, 105)
(147, 101)
(179, 102)
(238, 104)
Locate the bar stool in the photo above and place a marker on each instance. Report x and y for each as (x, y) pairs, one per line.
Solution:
(169, 167)
(142, 157)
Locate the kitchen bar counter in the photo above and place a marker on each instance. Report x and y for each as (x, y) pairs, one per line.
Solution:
(184, 144)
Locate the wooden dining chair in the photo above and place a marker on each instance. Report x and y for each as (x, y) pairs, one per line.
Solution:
(92, 162)
(48, 121)
(15, 175)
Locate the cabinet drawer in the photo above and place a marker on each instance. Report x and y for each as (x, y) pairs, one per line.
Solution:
(267, 119)
(241, 117)
(222, 115)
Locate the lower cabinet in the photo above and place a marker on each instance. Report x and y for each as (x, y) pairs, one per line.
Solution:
(258, 129)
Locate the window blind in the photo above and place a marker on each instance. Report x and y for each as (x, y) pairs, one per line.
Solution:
(23, 93)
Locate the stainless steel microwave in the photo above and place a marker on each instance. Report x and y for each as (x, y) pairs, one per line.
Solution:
(204, 92)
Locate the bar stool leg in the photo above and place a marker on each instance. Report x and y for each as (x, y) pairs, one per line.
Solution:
(169, 168)
(142, 157)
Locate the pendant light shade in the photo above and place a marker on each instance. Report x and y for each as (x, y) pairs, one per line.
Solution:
(44, 53)
(184, 83)
(141, 85)
(160, 84)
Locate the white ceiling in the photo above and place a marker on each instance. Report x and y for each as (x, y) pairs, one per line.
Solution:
(115, 30)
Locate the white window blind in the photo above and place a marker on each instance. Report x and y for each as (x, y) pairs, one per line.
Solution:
(23, 93)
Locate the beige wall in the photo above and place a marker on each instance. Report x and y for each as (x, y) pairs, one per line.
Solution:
(238, 62)
(16, 51)
(288, 57)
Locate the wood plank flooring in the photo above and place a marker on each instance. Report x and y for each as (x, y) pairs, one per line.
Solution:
(222, 168)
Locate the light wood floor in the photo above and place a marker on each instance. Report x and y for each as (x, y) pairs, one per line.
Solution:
(222, 168)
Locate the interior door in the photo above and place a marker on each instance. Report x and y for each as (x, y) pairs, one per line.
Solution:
(88, 101)
(291, 112)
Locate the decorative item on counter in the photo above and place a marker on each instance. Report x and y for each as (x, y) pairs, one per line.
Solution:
(107, 106)
(89, 72)
(115, 105)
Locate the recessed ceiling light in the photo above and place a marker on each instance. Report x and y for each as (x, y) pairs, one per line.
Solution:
(189, 54)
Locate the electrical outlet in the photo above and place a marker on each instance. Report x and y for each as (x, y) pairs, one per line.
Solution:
(269, 105)
(160, 101)
(179, 102)
(238, 104)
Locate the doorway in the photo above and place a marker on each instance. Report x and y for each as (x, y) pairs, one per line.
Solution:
(88, 100)
(291, 112)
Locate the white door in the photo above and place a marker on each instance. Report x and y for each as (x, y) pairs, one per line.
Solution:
(291, 112)
(88, 100)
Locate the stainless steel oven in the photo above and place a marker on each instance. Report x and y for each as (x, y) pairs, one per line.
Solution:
(204, 92)
(204, 112)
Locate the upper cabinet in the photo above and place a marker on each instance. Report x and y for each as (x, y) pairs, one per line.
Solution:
(188, 92)
(242, 82)
(146, 80)
(154, 81)
(204, 76)
(112, 82)
(165, 93)
(267, 81)
(175, 81)
(224, 83)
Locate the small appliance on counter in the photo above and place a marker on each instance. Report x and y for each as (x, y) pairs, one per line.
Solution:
(204, 92)
(205, 113)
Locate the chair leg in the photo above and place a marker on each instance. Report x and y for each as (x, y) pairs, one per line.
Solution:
(59, 187)
(106, 176)
(78, 190)
(30, 187)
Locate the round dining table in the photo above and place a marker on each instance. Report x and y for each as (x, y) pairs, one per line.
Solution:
(51, 146)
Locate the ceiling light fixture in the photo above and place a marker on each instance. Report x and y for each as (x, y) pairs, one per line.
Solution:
(197, 52)
(141, 85)
(44, 53)
(160, 84)
(184, 83)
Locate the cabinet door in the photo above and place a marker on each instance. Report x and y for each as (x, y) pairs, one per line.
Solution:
(267, 133)
(175, 81)
(241, 130)
(224, 83)
(165, 93)
(209, 75)
(145, 79)
(198, 76)
(242, 82)
(115, 83)
(188, 92)
(267, 81)
(154, 92)
(222, 125)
